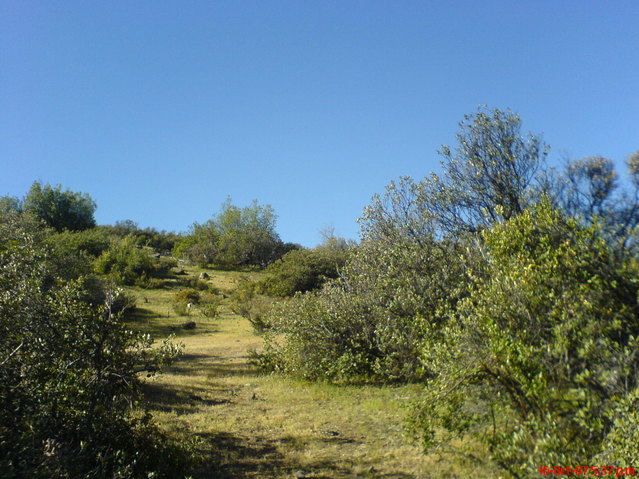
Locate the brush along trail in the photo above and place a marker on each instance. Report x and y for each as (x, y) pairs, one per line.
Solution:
(250, 425)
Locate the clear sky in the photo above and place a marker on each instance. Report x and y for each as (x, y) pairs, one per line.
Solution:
(161, 109)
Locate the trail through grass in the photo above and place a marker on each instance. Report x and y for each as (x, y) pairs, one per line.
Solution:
(264, 426)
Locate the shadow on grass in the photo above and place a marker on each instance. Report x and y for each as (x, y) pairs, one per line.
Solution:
(139, 314)
(189, 364)
(230, 369)
(161, 326)
(227, 456)
(183, 400)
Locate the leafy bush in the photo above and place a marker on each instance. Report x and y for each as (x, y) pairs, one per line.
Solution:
(125, 262)
(236, 237)
(93, 242)
(69, 378)
(180, 308)
(535, 361)
(302, 270)
(372, 322)
(196, 283)
(61, 210)
(97, 292)
(247, 303)
(187, 296)
(210, 306)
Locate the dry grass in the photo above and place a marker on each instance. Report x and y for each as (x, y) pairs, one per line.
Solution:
(256, 426)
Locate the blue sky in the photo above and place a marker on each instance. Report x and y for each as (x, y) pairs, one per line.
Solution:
(160, 110)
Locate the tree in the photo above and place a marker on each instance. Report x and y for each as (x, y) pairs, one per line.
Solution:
(9, 204)
(589, 189)
(235, 237)
(491, 176)
(60, 209)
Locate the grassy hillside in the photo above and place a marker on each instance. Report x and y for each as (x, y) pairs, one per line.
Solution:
(250, 425)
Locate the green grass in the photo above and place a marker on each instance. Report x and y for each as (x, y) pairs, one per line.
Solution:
(267, 426)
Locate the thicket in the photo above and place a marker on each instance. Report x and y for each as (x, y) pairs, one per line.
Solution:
(507, 287)
(69, 375)
(161, 241)
(537, 359)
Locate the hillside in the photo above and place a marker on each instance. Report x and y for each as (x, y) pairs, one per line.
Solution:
(250, 425)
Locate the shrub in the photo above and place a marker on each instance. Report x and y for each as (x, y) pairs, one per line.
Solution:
(187, 296)
(209, 306)
(372, 322)
(97, 292)
(537, 359)
(195, 283)
(247, 303)
(181, 309)
(93, 242)
(61, 210)
(236, 237)
(163, 265)
(125, 262)
(302, 270)
(69, 377)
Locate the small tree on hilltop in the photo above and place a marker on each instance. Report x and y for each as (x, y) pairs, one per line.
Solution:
(60, 209)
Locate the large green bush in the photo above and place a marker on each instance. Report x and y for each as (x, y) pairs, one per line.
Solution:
(302, 270)
(61, 210)
(536, 362)
(236, 237)
(373, 321)
(93, 241)
(125, 262)
(69, 381)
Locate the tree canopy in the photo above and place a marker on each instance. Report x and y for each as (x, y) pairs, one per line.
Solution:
(234, 237)
(61, 210)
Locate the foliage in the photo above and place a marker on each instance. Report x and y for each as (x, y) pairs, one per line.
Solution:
(491, 176)
(210, 306)
(520, 316)
(161, 241)
(10, 204)
(61, 210)
(125, 262)
(589, 189)
(372, 322)
(69, 376)
(246, 302)
(187, 296)
(196, 283)
(538, 356)
(93, 242)
(236, 237)
(302, 270)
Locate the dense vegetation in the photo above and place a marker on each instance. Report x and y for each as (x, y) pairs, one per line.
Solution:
(69, 376)
(505, 287)
(509, 289)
